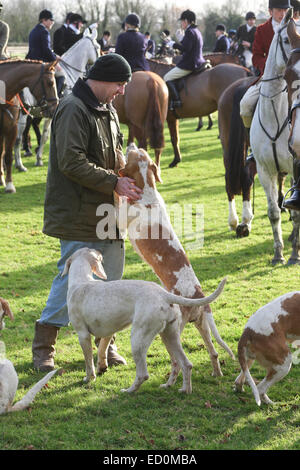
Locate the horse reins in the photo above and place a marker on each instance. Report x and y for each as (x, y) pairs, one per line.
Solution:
(43, 103)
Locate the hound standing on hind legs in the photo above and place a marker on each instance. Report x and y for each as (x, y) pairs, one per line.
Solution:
(164, 252)
(103, 308)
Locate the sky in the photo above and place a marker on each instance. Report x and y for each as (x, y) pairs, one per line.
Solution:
(200, 5)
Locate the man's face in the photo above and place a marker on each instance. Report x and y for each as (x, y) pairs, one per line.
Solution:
(219, 33)
(184, 24)
(278, 13)
(106, 92)
(251, 21)
(48, 23)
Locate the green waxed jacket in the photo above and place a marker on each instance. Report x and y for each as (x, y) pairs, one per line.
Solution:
(84, 137)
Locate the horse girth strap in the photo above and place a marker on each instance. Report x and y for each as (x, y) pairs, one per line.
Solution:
(275, 157)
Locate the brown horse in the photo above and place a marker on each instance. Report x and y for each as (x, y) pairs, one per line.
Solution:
(14, 76)
(238, 175)
(199, 96)
(144, 109)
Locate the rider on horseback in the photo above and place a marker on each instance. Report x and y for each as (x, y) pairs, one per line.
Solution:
(132, 44)
(245, 38)
(4, 35)
(192, 57)
(261, 45)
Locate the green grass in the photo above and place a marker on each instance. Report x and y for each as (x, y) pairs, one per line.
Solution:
(70, 415)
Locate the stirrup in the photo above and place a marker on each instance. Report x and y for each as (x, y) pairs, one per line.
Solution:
(283, 206)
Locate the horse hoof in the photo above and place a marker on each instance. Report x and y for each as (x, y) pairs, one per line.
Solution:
(10, 189)
(276, 261)
(39, 163)
(242, 231)
(174, 163)
(293, 261)
(21, 168)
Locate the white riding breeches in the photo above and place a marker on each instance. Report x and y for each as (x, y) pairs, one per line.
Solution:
(248, 103)
(175, 73)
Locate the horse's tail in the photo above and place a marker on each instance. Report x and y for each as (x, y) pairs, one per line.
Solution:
(236, 144)
(154, 122)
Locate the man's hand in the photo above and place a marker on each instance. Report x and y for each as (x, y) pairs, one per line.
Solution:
(126, 187)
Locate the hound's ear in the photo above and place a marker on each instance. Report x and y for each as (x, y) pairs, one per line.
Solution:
(6, 308)
(156, 172)
(98, 269)
(67, 266)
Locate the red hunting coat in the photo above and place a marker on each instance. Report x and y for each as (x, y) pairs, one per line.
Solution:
(261, 45)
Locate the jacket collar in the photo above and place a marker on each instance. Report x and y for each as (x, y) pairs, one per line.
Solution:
(82, 91)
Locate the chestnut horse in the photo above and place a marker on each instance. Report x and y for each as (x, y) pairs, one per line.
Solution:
(144, 108)
(14, 76)
(199, 96)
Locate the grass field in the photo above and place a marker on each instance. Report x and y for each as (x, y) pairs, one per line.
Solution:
(71, 415)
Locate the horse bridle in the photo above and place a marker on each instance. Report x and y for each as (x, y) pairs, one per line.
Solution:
(279, 129)
(43, 103)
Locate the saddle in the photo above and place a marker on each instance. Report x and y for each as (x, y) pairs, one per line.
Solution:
(181, 83)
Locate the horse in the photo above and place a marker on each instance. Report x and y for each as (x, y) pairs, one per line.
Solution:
(214, 58)
(73, 63)
(269, 135)
(144, 108)
(16, 75)
(199, 96)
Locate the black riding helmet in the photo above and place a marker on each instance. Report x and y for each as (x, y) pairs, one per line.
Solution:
(188, 15)
(133, 19)
(279, 4)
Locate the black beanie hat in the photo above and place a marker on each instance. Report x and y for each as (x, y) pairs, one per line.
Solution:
(110, 68)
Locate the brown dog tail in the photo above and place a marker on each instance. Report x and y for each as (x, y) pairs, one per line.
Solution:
(29, 397)
(154, 122)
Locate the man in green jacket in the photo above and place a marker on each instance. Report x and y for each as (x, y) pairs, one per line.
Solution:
(85, 136)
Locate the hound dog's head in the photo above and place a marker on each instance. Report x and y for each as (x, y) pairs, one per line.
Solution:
(140, 167)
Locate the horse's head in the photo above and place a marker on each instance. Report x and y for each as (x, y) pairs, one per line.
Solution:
(281, 47)
(292, 77)
(94, 48)
(44, 89)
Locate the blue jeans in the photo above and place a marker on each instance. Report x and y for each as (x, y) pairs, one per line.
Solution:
(56, 312)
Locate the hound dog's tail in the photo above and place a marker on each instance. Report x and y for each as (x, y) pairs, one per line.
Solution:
(30, 395)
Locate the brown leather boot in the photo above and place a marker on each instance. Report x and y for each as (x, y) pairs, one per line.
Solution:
(43, 346)
(113, 358)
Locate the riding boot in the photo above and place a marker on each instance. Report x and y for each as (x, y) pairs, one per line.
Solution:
(175, 101)
(293, 203)
(250, 157)
(43, 346)
(113, 358)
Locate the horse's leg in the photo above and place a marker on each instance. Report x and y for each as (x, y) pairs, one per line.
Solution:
(2, 178)
(200, 124)
(173, 125)
(10, 139)
(295, 258)
(210, 122)
(26, 136)
(269, 184)
(17, 147)
(281, 179)
(36, 127)
(244, 229)
(44, 138)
